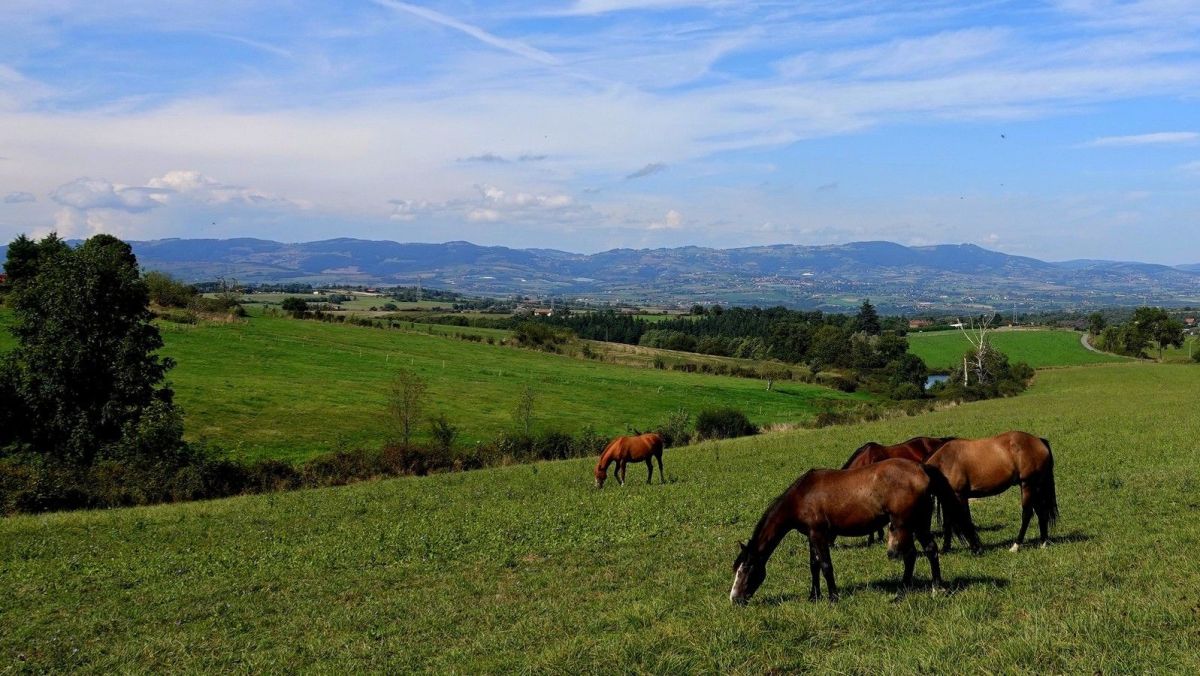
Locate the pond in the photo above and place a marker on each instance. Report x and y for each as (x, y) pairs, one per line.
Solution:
(935, 379)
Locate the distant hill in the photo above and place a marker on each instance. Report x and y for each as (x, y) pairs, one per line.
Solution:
(960, 277)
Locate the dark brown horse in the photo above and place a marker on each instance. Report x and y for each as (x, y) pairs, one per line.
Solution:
(825, 503)
(978, 468)
(917, 448)
(623, 450)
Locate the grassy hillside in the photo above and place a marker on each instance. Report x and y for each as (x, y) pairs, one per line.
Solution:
(286, 388)
(527, 568)
(1038, 348)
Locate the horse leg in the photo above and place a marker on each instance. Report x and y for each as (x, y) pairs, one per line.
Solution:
(662, 476)
(1026, 514)
(650, 468)
(1043, 514)
(620, 472)
(827, 569)
(814, 564)
(929, 543)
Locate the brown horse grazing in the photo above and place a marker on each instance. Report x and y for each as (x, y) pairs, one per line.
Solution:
(826, 503)
(978, 468)
(631, 449)
(917, 448)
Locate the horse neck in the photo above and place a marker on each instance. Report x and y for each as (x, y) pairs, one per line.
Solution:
(771, 529)
(606, 458)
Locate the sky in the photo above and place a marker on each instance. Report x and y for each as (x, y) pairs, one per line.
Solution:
(1060, 129)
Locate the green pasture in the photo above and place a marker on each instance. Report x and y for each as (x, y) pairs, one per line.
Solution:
(285, 388)
(528, 569)
(1040, 348)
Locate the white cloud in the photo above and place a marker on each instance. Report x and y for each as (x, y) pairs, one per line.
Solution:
(672, 221)
(648, 170)
(18, 197)
(1157, 138)
(511, 46)
(97, 193)
(195, 185)
(1191, 167)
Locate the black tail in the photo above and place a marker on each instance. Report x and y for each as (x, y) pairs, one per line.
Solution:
(956, 517)
(1048, 496)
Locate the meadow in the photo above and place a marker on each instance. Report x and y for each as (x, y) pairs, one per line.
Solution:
(1040, 348)
(284, 388)
(527, 568)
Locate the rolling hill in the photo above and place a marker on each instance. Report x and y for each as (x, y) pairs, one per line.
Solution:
(898, 278)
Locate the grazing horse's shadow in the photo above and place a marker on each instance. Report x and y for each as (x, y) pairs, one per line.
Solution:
(894, 587)
(1065, 538)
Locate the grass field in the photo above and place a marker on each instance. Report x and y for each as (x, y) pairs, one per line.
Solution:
(285, 388)
(1038, 348)
(526, 568)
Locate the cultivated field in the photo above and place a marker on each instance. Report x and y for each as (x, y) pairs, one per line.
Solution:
(527, 568)
(1038, 348)
(285, 388)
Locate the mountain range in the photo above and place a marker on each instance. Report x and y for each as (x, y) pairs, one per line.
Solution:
(896, 277)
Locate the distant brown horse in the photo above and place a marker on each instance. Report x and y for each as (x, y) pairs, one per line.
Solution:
(623, 450)
(826, 503)
(978, 468)
(917, 448)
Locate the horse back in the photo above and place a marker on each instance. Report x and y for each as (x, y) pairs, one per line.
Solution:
(853, 501)
(992, 464)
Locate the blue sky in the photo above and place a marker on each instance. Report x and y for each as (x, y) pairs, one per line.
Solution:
(1060, 129)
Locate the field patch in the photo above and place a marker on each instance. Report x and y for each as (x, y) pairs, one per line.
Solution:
(285, 388)
(526, 568)
(1040, 348)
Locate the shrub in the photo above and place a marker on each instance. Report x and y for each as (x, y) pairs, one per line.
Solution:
(443, 431)
(676, 430)
(836, 380)
(723, 423)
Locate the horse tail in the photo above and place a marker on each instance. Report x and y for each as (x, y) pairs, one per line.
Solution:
(1048, 496)
(958, 518)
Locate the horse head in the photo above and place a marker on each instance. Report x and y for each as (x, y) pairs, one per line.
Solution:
(748, 575)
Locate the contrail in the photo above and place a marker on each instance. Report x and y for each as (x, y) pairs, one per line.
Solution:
(510, 46)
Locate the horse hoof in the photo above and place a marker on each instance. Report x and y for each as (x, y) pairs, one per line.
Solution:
(813, 598)
(1015, 548)
(833, 598)
(1045, 544)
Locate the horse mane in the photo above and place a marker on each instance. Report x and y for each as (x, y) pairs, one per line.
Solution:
(854, 456)
(776, 504)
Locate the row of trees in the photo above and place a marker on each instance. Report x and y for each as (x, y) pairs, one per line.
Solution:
(1149, 327)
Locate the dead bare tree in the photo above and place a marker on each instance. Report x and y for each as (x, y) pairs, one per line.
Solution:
(977, 336)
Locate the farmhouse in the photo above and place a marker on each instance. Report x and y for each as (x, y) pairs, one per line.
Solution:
(1189, 321)
(919, 323)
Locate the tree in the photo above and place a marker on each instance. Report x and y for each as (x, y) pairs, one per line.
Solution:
(168, 292)
(294, 305)
(84, 371)
(1096, 324)
(406, 402)
(523, 413)
(867, 319)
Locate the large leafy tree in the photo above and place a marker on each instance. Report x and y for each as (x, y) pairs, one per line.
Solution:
(85, 371)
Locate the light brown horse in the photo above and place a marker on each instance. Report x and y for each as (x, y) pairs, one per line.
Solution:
(978, 468)
(826, 503)
(623, 450)
(917, 448)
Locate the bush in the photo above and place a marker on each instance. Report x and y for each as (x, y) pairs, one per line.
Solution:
(676, 430)
(836, 380)
(723, 423)
(443, 431)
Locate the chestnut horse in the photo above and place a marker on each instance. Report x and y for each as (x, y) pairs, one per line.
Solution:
(917, 448)
(826, 503)
(978, 468)
(631, 449)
